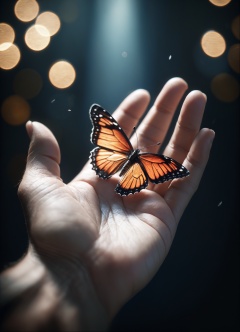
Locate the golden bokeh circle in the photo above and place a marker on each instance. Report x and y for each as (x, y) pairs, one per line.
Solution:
(213, 44)
(50, 21)
(220, 3)
(62, 74)
(7, 33)
(9, 57)
(5, 46)
(37, 37)
(15, 110)
(225, 87)
(26, 10)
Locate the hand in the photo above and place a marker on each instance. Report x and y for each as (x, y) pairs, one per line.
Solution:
(98, 248)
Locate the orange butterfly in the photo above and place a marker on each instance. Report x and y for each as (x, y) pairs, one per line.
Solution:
(114, 152)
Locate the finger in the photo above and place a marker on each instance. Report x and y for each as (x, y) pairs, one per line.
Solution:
(181, 191)
(187, 126)
(42, 161)
(44, 153)
(131, 109)
(156, 123)
(186, 129)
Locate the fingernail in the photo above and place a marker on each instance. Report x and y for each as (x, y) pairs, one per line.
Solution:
(29, 128)
(211, 136)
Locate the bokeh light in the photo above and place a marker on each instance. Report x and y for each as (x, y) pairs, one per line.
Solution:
(62, 74)
(236, 27)
(5, 46)
(37, 37)
(15, 110)
(213, 44)
(7, 35)
(220, 3)
(234, 57)
(9, 56)
(50, 21)
(27, 83)
(26, 10)
(225, 87)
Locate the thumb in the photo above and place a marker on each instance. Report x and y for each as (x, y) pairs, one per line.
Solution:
(44, 153)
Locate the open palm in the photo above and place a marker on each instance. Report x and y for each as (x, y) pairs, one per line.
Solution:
(114, 244)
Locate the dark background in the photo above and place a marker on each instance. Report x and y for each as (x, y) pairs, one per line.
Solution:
(197, 287)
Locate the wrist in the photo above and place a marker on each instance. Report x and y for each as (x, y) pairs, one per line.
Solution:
(36, 295)
(22, 286)
(20, 277)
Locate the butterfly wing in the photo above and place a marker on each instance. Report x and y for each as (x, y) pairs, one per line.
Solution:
(132, 181)
(106, 162)
(160, 168)
(106, 131)
(113, 144)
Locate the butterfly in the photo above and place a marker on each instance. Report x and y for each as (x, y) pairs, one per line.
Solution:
(115, 153)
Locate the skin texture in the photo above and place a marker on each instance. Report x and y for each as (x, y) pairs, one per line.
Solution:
(90, 249)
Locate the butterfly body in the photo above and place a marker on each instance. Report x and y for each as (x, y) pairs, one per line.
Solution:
(115, 153)
(132, 158)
